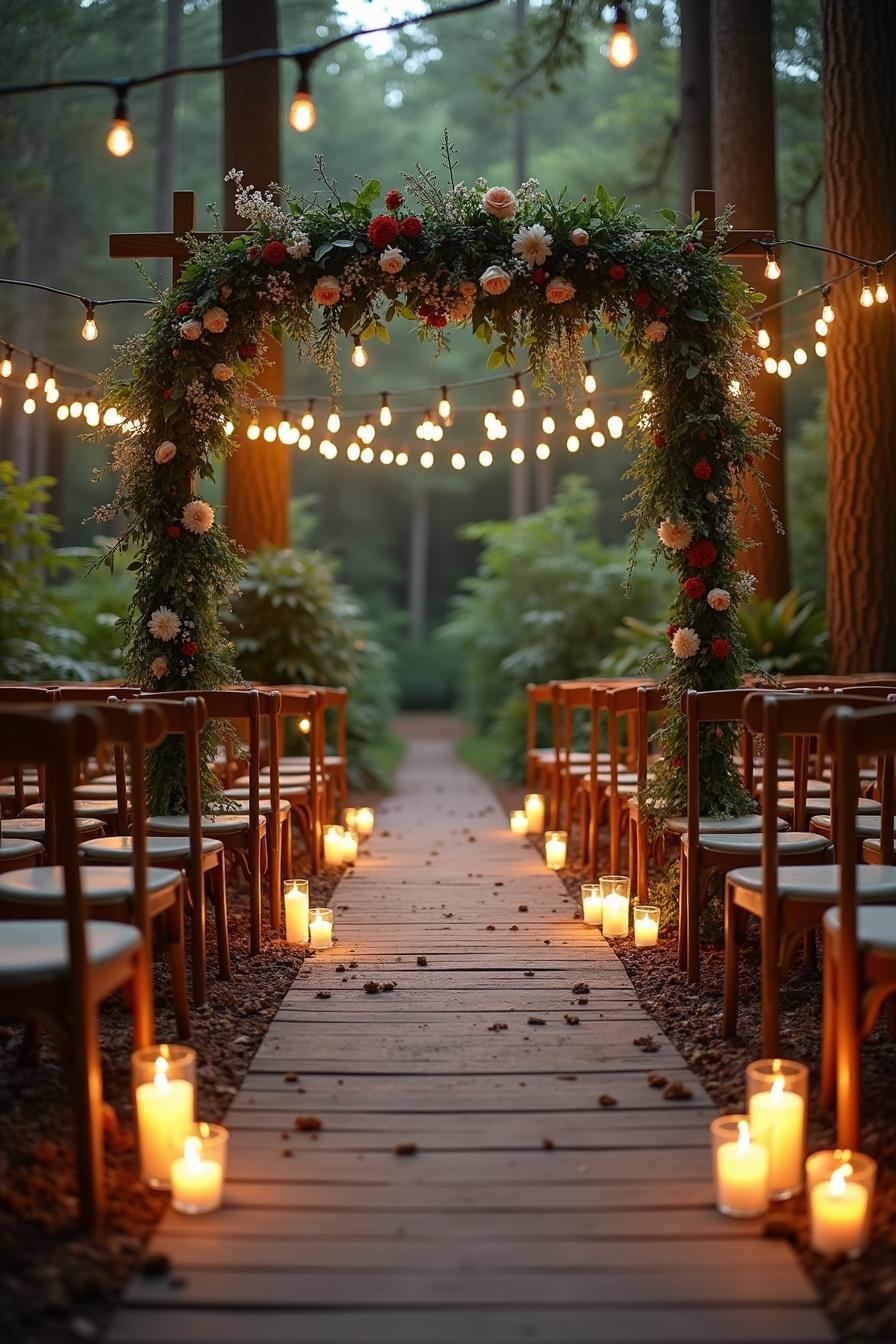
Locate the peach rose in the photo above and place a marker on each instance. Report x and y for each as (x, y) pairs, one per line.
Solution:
(327, 291)
(495, 280)
(578, 237)
(165, 452)
(559, 290)
(191, 330)
(719, 599)
(392, 261)
(500, 202)
(223, 372)
(215, 319)
(656, 331)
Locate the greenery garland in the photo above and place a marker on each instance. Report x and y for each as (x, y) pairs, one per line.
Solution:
(529, 273)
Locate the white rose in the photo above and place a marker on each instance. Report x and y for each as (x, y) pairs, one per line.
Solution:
(500, 202)
(685, 642)
(559, 290)
(495, 280)
(578, 237)
(677, 536)
(719, 599)
(165, 452)
(215, 319)
(223, 372)
(191, 330)
(392, 261)
(327, 291)
(656, 331)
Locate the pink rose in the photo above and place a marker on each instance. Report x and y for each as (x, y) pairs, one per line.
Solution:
(656, 331)
(578, 237)
(495, 280)
(392, 261)
(558, 290)
(327, 291)
(500, 202)
(215, 319)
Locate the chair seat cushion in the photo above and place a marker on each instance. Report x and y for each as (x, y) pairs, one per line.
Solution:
(165, 848)
(818, 882)
(815, 788)
(84, 807)
(818, 807)
(750, 844)
(867, 825)
(219, 823)
(333, 761)
(264, 804)
(719, 825)
(16, 847)
(46, 886)
(35, 951)
(104, 792)
(33, 828)
(29, 792)
(875, 927)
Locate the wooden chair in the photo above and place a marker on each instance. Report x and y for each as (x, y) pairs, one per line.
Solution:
(55, 972)
(631, 706)
(787, 893)
(303, 780)
(859, 938)
(539, 759)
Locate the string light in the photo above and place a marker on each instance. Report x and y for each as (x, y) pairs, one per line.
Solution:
(785, 368)
(543, 451)
(387, 456)
(307, 421)
(269, 434)
(427, 458)
(254, 430)
(590, 382)
(50, 382)
(436, 432)
(821, 327)
(763, 340)
(52, 396)
(75, 408)
(598, 439)
(572, 443)
(90, 330)
(284, 430)
(770, 364)
(6, 364)
(820, 349)
(548, 424)
(304, 442)
(799, 355)
(458, 461)
(31, 378)
(302, 112)
(385, 410)
(359, 354)
(772, 265)
(486, 457)
(517, 455)
(880, 293)
(29, 405)
(866, 298)
(445, 405)
(228, 427)
(401, 459)
(517, 396)
(334, 424)
(615, 425)
(622, 50)
(366, 431)
(827, 311)
(366, 455)
(62, 412)
(120, 137)
(353, 451)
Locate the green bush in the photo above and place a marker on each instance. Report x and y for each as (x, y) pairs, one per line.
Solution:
(545, 602)
(806, 461)
(295, 623)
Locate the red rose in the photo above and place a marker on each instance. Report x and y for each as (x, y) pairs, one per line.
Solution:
(671, 631)
(695, 589)
(382, 231)
(701, 554)
(173, 531)
(720, 732)
(641, 298)
(539, 275)
(702, 470)
(659, 440)
(248, 351)
(188, 648)
(274, 252)
(394, 199)
(437, 320)
(183, 308)
(689, 248)
(167, 394)
(662, 310)
(425, 310)
(411, 227)
(175, 353)
(617, 271)
(720, 648)
(748, 458)
(253, 252)
(678, 762)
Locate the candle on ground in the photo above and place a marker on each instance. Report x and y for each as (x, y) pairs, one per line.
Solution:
(164, 1119)
(841, 1188)
(321, 928)
(197, 1182)
(782, 1113)
(555, 849)
(349, 847)
(592, 904)
(295, 906)
(333, 844)
(350, 818)
(364, 821)
(741, 1171)
(534, 807)
(647, 925)
(519, 823)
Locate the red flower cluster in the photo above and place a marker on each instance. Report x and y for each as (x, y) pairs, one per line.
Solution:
(189, 647)
(382, 231)
(183, 308)
(662, 310)
(702, 470)
(253, 252)
(617, 271)
(394, 199)
(248, 351)
(659, 439)
(432, 316)
(701, 554)
(274, 252)
(694, 589)
(173, 531)
(641, 299)
(671, 631)
(539, 275)
(411, 227)
(677, 762)
(720, 648)
(175, 353)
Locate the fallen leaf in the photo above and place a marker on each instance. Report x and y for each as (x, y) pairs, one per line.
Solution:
(405, 1149)
(606, 1100)
(536, 1022)
(306, 1123)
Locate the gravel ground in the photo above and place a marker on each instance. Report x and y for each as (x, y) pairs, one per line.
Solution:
(55, 1284)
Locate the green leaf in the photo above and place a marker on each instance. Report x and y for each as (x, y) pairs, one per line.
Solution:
(696, 314)
(321, 251)
(276, 330)
(484, 332)
(237, 244)
(669, 215)
(692, 371)
(496, 359)
(369, 330)
(368, 193)
(382, 333)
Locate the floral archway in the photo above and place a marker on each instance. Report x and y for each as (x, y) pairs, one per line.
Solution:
(532, 275)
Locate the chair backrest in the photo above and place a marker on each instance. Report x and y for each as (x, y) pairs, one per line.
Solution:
(186, 716)
(633, 705)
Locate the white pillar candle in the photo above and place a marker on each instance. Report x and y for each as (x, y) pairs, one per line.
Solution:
(350, 818)
(519, 823)
(197, 1182)
(742, 1170)
(321, 929)
(333, 844)
(349, 847)
(295, 906)
(647, 925)
(592, 904)
(534, 806)
(364, 821)
(164, 1119)
(838, 1209)
(555, 849)
(615, 915)
(782, 1115)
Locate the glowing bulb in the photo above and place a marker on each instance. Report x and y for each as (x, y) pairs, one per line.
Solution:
(880, 293)
(120, 137)
(820, 349)
(622, 50)
(517, 455)
(427, 458)
(62, 412)
(866, 298)
(29, 406)
(486, 457)
(598, 439)
(284, 431)
(763, 340)
(334, 424)
(53, 396)
(827, 311)
(548, 424)
(228, 427)
(615, 425)
(110, 416)
(366, 454)
(436, 433)
(587, 417)
(385, 412)
(488, 419)
(401, 459)
(49, 384)
(302, 112)
(31, 378)
(253, 431)
(307, 420)
(6, 365)
(366, 431)
(799, 355)
(734, 387)
(821, 327)
(785, 368)
(445, 405)
(353, 451)
(90, 330)
(359, 354)
(572, 443)
(772, 267)
(304, 442)
(458, 461)
(770, 364)
(517, 396)
(590, 382)
(324, 447)
(387, 456)
(270, 434)
(75, 409)
(543, 451)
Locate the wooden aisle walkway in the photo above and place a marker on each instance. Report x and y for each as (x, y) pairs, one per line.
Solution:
(529, 1212)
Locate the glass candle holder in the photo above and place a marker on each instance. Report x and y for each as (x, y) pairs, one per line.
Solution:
(778, 1099)
(519, 823)
(592, 904)
(840, 1190)
(740, 1161)
(163, 1078)
(555, 849)
(364, 821)
(533, 804)
(295, 908)
(647, 925)
(197, 1180)
(321, 928)
(333, 844)
(350, 818)
(614, 892)
(214, 1141)
(349, 846)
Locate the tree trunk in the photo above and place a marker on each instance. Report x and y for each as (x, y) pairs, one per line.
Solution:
(695, 93)
(166, 137)
(257, 492)
(743, 107)
(859, 76)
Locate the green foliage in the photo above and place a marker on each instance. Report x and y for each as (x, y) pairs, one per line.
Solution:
(544, 602)
(806, 461)
(787, 636)
(428, 673)
(294, 623)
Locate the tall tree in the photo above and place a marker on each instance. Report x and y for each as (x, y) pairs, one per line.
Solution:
(859, 76)
(257, 491)
(695, 94)
(743, 107)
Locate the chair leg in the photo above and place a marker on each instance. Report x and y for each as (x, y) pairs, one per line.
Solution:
(732, 968)
(682, 911)
(275, 868)
(144, 1029)
(254, 901)
(222, 932)
(87, 1090)
(693, 930)
(770, 940)
(829, 1026)
(177, 961)
(643, 843)
(197, 941)
(615, 846)
(810, 950)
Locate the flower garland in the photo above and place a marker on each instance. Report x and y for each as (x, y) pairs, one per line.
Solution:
(528, 273)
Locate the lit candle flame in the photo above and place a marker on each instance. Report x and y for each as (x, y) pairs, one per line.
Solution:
(777, 1087)
(837, 1184)
(161, 1076)
(743, 1136)
(192, 1151)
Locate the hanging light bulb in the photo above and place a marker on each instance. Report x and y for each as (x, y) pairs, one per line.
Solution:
(284, 429)
(785, 368)
(75, 408)
(615, 425)
(302, 112)
(598, 439)
(517, 455)
(387, 456)
(52, 396)
(307, 421)
(334, 424)
(31, 378)
(254, 430)
(458, 461)
(880, 292)
(543, 451)
(62, 412)
(353, 451)
(548, 424)
(799, 355)
(486, 457)
(269, 434)
(29, 405)
(366, 455)
(385, 410)
(304, 442)
(445, 405)
(92, 414)
(827, 311)
(90, 330)
(770, 364)
(821, 327)
(359, 354)
(110, 416)
(866, 298)
(50, 381)
(324, 447)
(120, 137)
(772, 265)
(573, 443)
(366, 431)
(401, 458)
(6, 363)
(589, 382)
(588, 417)
(436, 432)
(820, 349)
(622, 50)
(427, 458)
(488, 419)
(763, 340)
(517, 396)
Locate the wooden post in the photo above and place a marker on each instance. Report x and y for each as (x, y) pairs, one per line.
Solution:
(170, 245)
